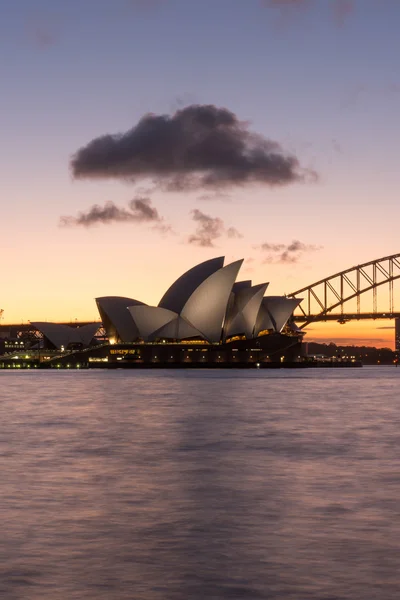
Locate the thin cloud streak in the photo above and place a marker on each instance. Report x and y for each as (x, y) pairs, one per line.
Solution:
(215, 197)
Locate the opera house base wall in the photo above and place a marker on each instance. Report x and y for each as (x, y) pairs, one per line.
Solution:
(273, 349)
(269, 352)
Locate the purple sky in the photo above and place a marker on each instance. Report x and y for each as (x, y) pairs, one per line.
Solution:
(320, 78)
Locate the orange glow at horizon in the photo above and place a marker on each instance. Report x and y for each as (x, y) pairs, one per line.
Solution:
(378, 333)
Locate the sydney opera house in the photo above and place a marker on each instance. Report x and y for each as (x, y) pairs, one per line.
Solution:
(206, 303)
(206, 317)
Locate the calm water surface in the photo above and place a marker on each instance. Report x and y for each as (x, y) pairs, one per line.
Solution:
(200, 485)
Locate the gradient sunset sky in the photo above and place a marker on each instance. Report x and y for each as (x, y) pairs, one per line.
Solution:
(320, 78)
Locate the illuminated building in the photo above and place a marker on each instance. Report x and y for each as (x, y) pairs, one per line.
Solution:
(205, 318)
(205, 306)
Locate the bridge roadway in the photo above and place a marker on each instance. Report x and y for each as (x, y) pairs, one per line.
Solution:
(344, 317)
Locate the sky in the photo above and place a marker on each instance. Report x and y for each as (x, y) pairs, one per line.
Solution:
(301, 98)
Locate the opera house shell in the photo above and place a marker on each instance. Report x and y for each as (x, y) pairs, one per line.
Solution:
(206, 304)
(62, 336)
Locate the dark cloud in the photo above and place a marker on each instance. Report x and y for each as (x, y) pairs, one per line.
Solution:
(139, 210)
(200, 146)
(209, 229)
(286, 253)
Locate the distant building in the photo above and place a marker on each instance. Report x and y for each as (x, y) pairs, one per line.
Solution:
(397, 334)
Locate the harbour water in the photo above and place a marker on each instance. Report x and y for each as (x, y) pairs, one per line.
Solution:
(181, 485)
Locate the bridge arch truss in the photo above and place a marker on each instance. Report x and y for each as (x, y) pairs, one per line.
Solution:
(327, 299)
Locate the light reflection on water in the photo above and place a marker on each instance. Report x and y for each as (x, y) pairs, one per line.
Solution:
(200, 485)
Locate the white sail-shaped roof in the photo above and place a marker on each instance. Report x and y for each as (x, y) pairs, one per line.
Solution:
(264, 321)
(84, 335)
(180, 291)
(150, 319)
(205, 302)
(206, 307)
(245, 310)
(186, 330)
(63, 335)
(58, 335)
(275, 311)
(240, 285)
(178, 329)
(116, 318)
(168, 331)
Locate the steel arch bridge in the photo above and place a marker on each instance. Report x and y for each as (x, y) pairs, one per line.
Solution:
(325, 300)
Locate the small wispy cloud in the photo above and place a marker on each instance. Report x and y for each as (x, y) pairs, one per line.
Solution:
(286, 253)
(233, 233)
(139, 210)
(217, 196)
(209, 229)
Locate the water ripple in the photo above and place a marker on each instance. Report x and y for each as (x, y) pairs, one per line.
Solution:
(194, 485)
